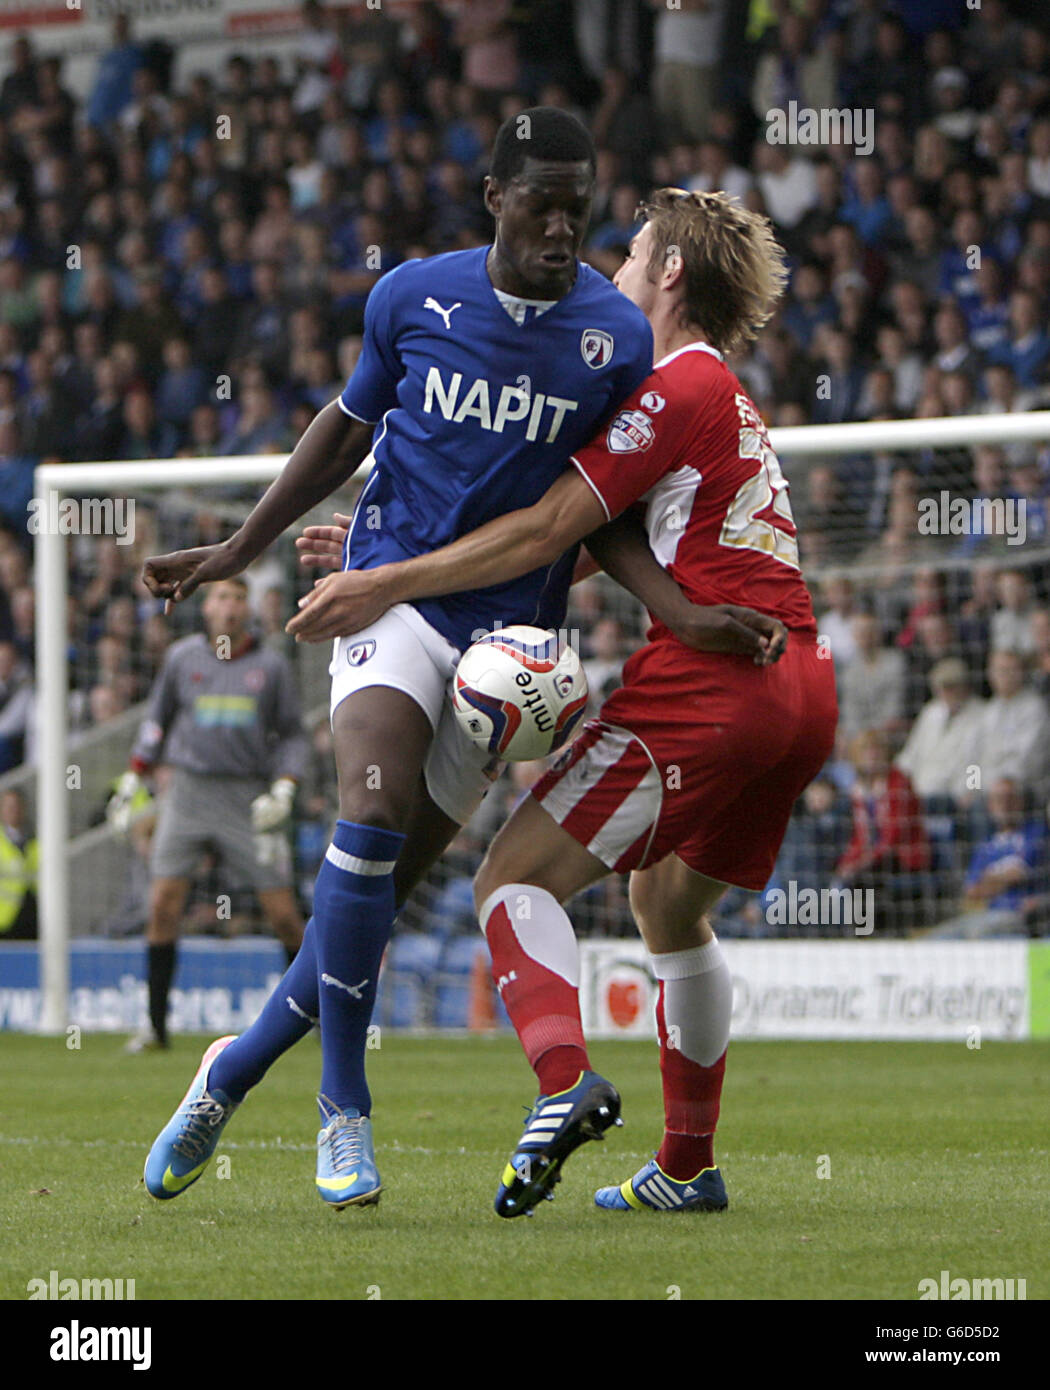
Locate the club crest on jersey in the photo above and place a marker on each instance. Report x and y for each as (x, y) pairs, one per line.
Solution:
(597, 347)
(254, 679)
(359, 653)
(631, 430)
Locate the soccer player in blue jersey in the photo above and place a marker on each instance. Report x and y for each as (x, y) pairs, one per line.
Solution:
(481, 372)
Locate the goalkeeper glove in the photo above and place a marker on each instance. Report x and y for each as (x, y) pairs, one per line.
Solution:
(275, 806)
(121, 803)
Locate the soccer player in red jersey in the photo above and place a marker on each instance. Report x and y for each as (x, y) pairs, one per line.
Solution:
(688, 775)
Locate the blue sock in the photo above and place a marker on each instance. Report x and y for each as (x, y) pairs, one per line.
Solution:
(288, 1015)
(354, 912)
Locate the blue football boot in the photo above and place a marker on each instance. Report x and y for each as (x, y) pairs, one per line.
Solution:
(652, 1190)
(183, 1148)
(346, 1165)
(556, 1126)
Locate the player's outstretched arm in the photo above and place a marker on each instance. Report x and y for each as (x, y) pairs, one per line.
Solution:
(328, 453)
(518, 543)
(622, 549)
(515, 544)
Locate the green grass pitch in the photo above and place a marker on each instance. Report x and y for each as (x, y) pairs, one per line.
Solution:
(936, 1158)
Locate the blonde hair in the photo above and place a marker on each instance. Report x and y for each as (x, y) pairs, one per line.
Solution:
(868, 738)
(734, 267)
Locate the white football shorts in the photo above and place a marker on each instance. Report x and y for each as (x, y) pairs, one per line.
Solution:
(401, 650)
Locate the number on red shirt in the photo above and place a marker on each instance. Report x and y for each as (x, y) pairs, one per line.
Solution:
(764, 491)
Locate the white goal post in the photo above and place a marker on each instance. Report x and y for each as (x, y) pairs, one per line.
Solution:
(52, 482)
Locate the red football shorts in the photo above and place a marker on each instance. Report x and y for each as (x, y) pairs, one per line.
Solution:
(699, 753)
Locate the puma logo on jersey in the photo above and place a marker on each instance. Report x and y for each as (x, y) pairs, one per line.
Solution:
(513, 403)
(355, 990)
(505, 980)
(431, 303)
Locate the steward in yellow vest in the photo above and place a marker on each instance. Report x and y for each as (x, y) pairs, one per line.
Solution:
(19, 867)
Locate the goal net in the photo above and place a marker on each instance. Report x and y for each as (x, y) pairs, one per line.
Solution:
(925, 547)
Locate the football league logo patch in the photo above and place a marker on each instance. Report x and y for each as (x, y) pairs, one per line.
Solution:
(597, 347)
(631, 430)
(359, 653)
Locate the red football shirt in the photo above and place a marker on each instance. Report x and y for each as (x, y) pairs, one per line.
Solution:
(690, 445)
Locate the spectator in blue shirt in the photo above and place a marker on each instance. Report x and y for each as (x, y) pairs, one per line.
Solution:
(867, 208)
(840, 379)
(988, 317)
(116, 70)
(809, 304)
(607, 245)
(16, 475)
(622, 225)
(817, 836)
(182, 386)
(1029, 487)
(1029, 346)
(960, 262)
(259, 426)
(382, 131)
(1005, 867)
(236, 257)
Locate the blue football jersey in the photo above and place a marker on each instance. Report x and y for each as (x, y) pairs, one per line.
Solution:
(477, 415)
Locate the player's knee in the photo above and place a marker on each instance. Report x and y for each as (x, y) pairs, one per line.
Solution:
(668, 920)
(161, 929)
(384, 816)
(165, 909)
(641, 894)
(684, 934)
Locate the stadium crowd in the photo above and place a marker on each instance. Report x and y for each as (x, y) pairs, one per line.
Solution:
(184, 267)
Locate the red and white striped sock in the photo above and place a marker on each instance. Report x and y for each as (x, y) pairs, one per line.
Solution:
(693, 1015)
(536, 967)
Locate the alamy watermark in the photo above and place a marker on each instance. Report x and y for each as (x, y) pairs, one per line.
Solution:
(553, 649)
(86, 516)
(54, 1287)
(805, 125)
(945, 515)
(985, 1290)
(82, 1343)
(822, 907)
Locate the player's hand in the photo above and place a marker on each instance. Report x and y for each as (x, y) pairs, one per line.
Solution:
(273, 808)
(339, 605)
(174, 577)
(321, 547)
(729, 627)
(119, 806)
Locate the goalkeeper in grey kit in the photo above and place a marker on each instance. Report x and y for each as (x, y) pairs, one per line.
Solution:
(224, 713)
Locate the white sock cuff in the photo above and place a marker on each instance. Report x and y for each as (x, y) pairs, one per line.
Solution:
(512, 890)
(681, 965)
